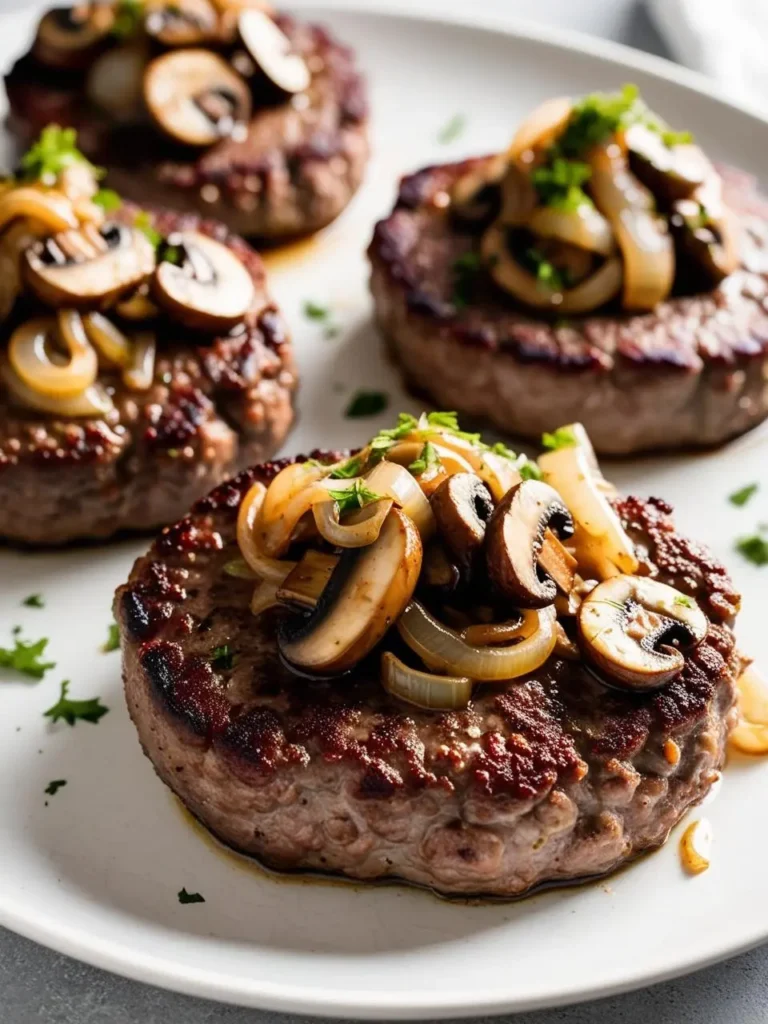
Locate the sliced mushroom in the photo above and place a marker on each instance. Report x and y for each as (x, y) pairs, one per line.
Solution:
(439, 573)
(208, 289)
(634, 630)
(514, 540)
(305, 583)
(115, 81)
(557, 562)
(670, 172)
(705, 230)
(462, 505)
(476, 196)
(68, 37)
(181, 22)
(86, 271)
(273, 53)
(196, 98)
(366, 594)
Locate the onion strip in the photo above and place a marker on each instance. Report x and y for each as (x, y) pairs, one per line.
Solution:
(30, 358)
(53, 208)
(393, 481)
(140, 372)
(443, 650)
(92, 403)
(357, 532)
(423, 689)
(109, 341)
(268, 569)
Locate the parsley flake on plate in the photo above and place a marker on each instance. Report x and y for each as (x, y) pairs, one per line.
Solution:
(754, 549)
(321, 314)
(563, 437)
(742, 496)
(452, 129)
(367, 403)
(53, 787)
(72, 711)
(26, 656)
(34, 601)
(190, 897)
(112, 643)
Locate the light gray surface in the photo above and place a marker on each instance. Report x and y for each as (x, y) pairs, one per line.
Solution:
(41, 987)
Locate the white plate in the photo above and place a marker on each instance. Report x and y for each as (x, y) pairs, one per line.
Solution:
(96, 872)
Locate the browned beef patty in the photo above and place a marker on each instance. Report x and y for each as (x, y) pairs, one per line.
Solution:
(296, 170)
(216, 405)
(693, 372)
(547, 778)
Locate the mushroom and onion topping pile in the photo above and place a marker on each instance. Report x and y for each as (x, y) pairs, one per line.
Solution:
(81, 292)
(195, 68)
(599, 200)
(462, 563)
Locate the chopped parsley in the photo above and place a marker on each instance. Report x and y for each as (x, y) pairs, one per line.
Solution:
(34, 601)
(53, 787)
(26, 656)
(685, 601)
(346, 470)
(598, 116)
(465, 269)
(72, 711)
(170, 253)
(547, 273)
(366, 403)
(428, 458)
(742, 496)
(559, 184)
(190, 897)
(754, 549)
(108, 200)
(321, 314)
(128, 17)
(55, 151)
(143, 222)
(223, 658)
(528, 469)
(452, 129)
(671, 138)
(112, 643)
(563, 437)
(352, 498)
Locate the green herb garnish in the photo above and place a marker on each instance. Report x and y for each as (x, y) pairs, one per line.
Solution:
(686, 602)
(34, 601)
(452, 129)
(346, 470)
(25, 657)
(143, 222)
(357, 496)
(366, 403)
(671, 138)
(597, 117)
(190, 897)
(563, 437)
(528, 469)
(428, 458)
(223, 658)
(559, 184)
(170, 254)
(108, 200)
(321, 314)
(72, 711)
(742, 496)
(112, 643)
(754, 549)
(53, 787)
(55, 151)
(128, 18)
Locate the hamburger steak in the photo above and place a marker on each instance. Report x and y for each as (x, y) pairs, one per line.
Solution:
(295, 170)
(692, 372)
(549, 778)
(216, 405)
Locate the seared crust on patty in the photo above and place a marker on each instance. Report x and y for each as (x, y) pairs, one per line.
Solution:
(547, 778)
(296, 170)
(693, 372)
(216, 405)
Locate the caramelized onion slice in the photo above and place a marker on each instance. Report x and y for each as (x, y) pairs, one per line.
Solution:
(140, 372)
(361, 529)
(52, 208)
(490, 634)
(645, 243)
(108, 339)
(541, 126)
(268, 569)
(584, 227)
(393, 481)
(443, 650)
(423, 689)
(92, 403)
(29, 355)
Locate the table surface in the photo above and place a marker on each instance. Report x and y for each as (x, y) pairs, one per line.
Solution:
(41, 987)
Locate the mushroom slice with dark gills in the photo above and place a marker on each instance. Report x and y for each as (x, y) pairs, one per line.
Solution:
(182, 22)
(271, 50)
(196, 98)
(634, 630)
(206, 287)
(87, 269)
(705, 231)
(515, 538)
(366, 594)
(462, 505)
(68, 37)
(670, 172)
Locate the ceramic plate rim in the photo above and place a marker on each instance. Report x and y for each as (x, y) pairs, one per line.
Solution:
(130, 962)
